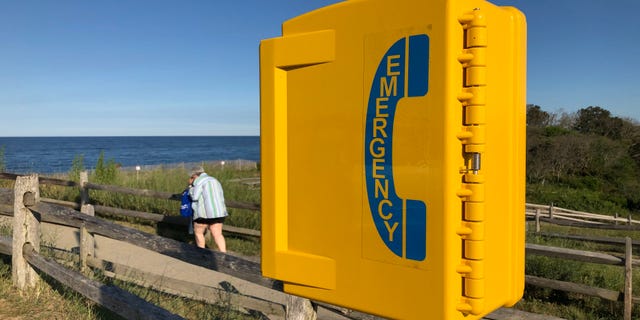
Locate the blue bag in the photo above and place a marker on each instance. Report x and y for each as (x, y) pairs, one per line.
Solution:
(185, 206)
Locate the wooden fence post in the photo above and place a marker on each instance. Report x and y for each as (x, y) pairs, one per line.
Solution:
(628, 283)
(551, 211)
(84, 191)
(300, 309)
(538, 220)
(86, 239)
(87, 246)
(26, 229)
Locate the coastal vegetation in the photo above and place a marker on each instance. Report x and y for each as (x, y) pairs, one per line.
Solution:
(588, 160)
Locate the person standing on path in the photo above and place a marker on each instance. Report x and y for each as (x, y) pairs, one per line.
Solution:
(209, 210)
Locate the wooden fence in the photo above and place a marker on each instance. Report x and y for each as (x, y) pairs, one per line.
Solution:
(251, 271)
(25, 246)
(566, 217)
(50, 211)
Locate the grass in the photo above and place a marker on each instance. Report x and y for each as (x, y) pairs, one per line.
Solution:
(42, 302)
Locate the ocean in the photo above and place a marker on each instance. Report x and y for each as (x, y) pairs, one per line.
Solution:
(46, 155)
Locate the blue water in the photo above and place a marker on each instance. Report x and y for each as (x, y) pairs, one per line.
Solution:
(55, 154)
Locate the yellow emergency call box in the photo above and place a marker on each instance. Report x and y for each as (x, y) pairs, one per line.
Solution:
(393, 157)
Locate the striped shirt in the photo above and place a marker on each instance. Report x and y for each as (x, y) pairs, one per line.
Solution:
(208, 198)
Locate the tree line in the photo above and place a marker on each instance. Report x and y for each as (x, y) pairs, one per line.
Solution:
(587, 160)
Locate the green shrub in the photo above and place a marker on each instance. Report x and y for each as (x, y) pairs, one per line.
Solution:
(77, 166)
(576, 198)
(105, 172)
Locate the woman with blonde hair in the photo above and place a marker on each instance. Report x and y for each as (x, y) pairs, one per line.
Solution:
(209, 210)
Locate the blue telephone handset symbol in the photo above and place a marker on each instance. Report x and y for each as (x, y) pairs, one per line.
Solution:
(401, 73)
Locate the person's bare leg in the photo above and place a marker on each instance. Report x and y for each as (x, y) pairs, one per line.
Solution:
(216, 233)
(198, 231)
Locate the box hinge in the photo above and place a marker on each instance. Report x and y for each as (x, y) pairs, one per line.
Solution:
(473, 138)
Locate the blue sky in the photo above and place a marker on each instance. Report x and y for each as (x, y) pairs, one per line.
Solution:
(168, 67)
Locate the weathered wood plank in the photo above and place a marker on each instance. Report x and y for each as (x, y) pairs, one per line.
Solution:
(6, 245)
(69, 204)
(113, 298)
(42, 180)
(575, 288)
(6, 199)
(572, 254)
(185, 289)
